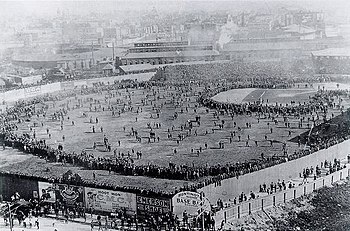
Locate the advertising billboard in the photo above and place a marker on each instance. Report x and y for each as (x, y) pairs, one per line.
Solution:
(109, 201)
(69, 195)
(47, 192)
(146, 205)
(191, 202)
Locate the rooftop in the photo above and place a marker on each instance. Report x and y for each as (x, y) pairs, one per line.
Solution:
(108, 67)
(345, 51)
(171, 54)
(299, 29)
(99, 54)
(138, 67)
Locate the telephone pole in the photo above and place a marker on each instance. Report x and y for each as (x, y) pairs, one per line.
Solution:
(92, 52)
(113, 52)
(10, 216)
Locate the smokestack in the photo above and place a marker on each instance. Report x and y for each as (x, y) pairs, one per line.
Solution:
(92, 52)
(113, 52)
(243, 20)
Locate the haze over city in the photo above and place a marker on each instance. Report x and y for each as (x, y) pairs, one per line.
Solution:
(182, 115)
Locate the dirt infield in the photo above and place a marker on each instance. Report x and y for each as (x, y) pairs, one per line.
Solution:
(234, 95)
(299, 94)
(269, 96)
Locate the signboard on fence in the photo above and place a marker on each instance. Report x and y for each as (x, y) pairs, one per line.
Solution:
(147, 205)
(67, 85)
(32, 91)
(108, 200)
(191, 202)
(69, 195)
(47, 192)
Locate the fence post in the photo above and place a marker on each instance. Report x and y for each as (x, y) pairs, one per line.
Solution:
(332, 180)
(284, 197)
(294, 192)
(239, 212)
(274, 200)
(314, 186)
(323, 182)
(341, 175)
(262, 204)
(225, 216)
(304, 190)
(249, 209)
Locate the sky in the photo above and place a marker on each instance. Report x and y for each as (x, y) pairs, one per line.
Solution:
(49, 7)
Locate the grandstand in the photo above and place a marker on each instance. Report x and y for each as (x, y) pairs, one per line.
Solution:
(332, 61)
(157, 53)
(276, 49)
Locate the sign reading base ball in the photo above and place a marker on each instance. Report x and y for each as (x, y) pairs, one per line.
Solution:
(191, 202)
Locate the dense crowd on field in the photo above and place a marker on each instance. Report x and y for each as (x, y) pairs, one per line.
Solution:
(332, 65)
(203, 80)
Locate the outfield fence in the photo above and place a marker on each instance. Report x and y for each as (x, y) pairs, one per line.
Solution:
(33, 91)
(268, 201)
(232, 187)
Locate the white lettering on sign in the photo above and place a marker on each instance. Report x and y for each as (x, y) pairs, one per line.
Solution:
(191, 202)
(109, 201)
(32, 91)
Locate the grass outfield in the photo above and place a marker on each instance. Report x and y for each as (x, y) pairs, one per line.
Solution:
(80, 136)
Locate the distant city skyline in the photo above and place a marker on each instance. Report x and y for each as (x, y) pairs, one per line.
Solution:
(50, 7)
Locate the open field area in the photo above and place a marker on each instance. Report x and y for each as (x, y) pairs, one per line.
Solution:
(165, 114)
(270, 96)
(299, 94)
(81, 136)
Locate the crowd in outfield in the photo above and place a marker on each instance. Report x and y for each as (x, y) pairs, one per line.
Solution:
(204, 81)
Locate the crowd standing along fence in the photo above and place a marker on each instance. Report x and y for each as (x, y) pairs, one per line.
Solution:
(23, 93)
(232, 187)
(268, 201)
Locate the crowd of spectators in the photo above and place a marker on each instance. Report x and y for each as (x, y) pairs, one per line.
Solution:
(207, 80)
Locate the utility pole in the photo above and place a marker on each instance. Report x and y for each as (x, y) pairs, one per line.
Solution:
(92, 52)
(113, 54)
(202, 209)
(203, 219)
(10, 216)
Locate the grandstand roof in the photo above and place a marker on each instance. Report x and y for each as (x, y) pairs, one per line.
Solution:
(164, 47)
(301, 29)
(146, 55)
(108, 67)
(138, 67)
(34, 57)
(345, 52)
(262, 46)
